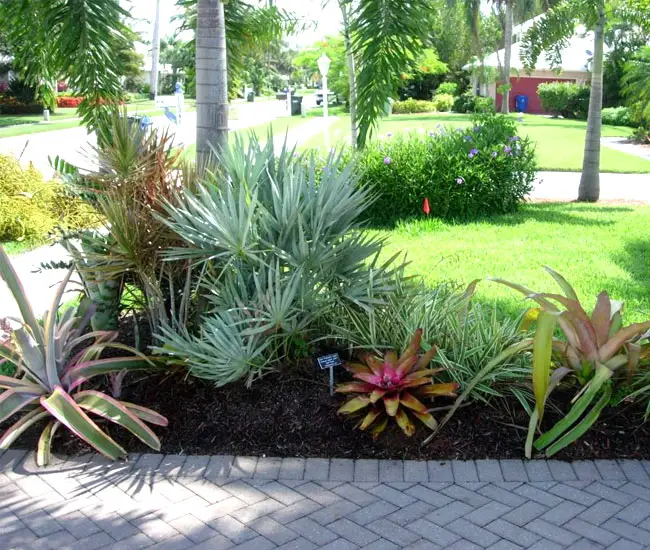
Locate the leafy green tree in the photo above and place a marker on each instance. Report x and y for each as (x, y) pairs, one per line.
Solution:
(178, 54)
(636, 83)
(425, 74)
(73, 40)
(306, 61)
(129, 61)
(624, 39)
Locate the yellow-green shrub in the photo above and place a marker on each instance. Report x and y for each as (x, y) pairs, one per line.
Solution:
(443, 102)
(31, 208)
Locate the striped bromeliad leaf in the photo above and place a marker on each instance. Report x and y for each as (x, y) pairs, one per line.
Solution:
(392, 387)
(52, 370)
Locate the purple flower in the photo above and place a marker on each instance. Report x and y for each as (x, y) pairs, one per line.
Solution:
(513, 138)
(508, 150)
(387, 160)
(459, 130)
(431, 133)
(467, 138)
(477, 128)
(460, 180)
(389, 134)
(494, 154)
(473, 153)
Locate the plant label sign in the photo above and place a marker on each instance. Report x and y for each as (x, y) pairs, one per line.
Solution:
(329, 362)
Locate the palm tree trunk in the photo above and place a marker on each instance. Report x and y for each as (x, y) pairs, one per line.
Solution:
(507, 55)
(351, 72)
(589, 190)
(155, 54)
(211, 80)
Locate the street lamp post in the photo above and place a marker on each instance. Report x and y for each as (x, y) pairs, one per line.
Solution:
(324, 67)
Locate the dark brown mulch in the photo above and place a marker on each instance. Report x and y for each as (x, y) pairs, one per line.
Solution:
(283, 416)
(294, 415)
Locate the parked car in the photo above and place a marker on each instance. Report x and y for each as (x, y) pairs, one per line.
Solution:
(331, 98)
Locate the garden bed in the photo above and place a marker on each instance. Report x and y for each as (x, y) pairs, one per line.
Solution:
(282, 416)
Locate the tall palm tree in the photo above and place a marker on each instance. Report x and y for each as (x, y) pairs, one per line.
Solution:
(551, 33)
(507, 53)
(155, 54)
(211, 79)
(344, 5)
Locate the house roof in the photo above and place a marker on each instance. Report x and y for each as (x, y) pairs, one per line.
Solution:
(575, 56)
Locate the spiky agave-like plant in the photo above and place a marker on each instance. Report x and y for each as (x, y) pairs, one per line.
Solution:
(393, 388)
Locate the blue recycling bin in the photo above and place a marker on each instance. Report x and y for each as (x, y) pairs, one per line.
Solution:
(521, 103)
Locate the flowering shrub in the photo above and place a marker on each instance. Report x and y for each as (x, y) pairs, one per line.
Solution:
(464, 173)
(68, 102)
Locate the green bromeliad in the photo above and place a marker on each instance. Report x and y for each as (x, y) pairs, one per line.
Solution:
(393, 387)
(595, 348)
(53, 361)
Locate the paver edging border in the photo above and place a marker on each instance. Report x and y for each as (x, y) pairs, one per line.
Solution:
(222, 467)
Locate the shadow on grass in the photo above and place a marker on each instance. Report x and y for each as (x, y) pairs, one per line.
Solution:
(554, 213)
(634, 257)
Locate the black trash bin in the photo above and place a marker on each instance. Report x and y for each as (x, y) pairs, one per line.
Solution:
(250, 97)
(296, 102)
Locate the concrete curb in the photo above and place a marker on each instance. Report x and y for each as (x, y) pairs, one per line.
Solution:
(222, 467)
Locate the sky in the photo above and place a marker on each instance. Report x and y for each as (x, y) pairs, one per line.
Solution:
(326, 20)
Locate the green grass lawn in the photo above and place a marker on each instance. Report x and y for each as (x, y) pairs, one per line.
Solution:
(63, 119)
(559, 143)
(279, 127)
(595, 247)
(15, 120)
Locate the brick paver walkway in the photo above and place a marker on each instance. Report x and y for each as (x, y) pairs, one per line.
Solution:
(215, 503)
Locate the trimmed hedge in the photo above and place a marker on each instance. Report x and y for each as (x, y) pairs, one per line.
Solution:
(11, 106)
(411, 106)
(567, 99)
(464, 173)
